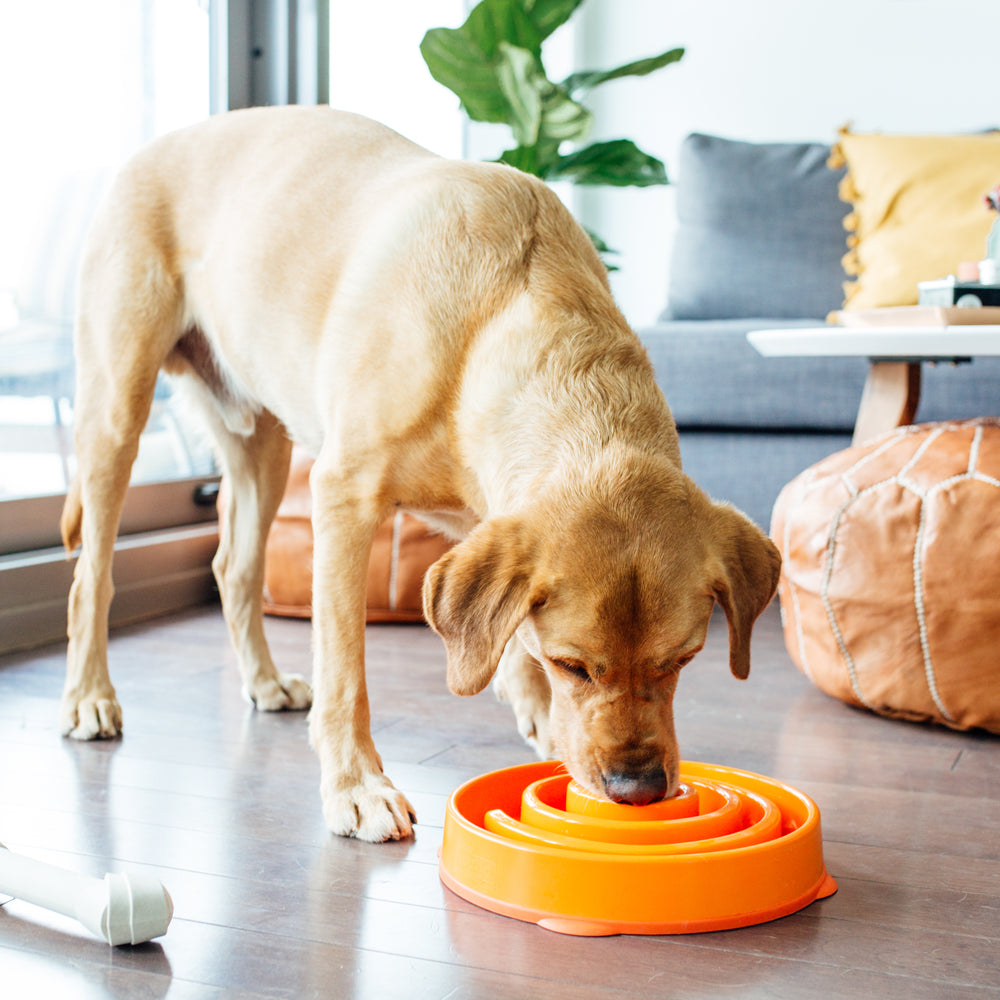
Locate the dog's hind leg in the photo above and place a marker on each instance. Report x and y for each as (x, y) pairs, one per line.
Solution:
(116, 380)
(257, 468)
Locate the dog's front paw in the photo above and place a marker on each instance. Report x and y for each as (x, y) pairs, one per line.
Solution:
(533, 725)
(520, 681)
(91, 718)
(531, 712)
(371, 810)
(285, 692)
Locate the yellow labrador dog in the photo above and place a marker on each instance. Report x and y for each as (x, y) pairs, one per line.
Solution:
(442, 337)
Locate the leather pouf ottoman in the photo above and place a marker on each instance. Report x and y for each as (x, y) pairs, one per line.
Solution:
(890, 588)
(402, 551)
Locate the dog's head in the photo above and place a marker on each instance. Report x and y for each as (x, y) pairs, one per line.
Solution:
(612, 594)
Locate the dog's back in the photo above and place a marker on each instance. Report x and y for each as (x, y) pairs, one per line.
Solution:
(264, 242)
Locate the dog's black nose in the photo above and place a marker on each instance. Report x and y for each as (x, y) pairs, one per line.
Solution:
(636, 787)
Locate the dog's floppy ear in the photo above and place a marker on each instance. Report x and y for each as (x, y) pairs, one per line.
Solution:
(745, 577)
(476, 595)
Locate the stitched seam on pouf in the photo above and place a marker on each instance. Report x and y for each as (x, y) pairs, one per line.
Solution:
(918, 600)
(889, 442)
(974, 473)
(919, 453)
(845, 653)
(977, 437)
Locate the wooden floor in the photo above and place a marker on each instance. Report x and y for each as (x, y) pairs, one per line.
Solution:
(221, 804)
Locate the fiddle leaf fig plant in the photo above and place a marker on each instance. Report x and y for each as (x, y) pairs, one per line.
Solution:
(493, 63)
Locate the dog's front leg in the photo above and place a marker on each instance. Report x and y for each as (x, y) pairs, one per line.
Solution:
(521, 682)
(358, 799)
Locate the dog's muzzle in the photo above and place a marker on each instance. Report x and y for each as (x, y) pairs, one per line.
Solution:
(636, 787)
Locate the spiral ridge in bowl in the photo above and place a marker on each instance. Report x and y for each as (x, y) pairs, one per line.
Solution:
(730, 849)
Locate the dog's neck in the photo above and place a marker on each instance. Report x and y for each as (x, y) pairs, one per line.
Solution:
(525, 424)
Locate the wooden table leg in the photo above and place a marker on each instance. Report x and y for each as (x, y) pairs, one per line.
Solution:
(889, 399)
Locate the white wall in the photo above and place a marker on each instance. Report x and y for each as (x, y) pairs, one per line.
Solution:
(376, 68)
(772, 70)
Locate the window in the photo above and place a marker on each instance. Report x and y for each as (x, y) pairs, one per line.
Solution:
(87, 84)
(93, 82)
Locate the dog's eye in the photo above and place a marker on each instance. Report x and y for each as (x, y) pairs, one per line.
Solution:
(684, 660)
(577, 670)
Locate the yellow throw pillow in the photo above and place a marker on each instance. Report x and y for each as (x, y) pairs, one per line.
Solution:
(918, 210)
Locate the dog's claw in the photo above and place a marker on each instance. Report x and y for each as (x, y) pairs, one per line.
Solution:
(286, 692)
(372, 810)
(92, 719)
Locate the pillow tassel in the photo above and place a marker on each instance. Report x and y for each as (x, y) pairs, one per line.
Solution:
(837, 159)
(847, 190)
(851, 262)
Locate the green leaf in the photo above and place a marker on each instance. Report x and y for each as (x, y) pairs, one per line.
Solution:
(602, 248)
(521, 157)
(537, 106)
(563, 118)
(548, 15)
(462, 67)
(494, 21)
(465, 59)
(538, 159)
(619, 162)
(522, 82)
(641, 67)
(599, 245)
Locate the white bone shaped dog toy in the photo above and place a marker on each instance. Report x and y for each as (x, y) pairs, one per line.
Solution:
(121, 908)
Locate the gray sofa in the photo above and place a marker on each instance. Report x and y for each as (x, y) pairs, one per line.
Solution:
(758, 244)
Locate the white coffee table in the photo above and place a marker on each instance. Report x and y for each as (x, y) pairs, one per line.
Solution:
(892, 389)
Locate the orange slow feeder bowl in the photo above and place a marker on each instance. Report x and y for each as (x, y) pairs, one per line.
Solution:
(730, 849)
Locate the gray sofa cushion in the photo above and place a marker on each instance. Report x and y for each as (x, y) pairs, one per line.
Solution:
(760, 231)
(959, 392)
(713, 377)
(749, 470)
